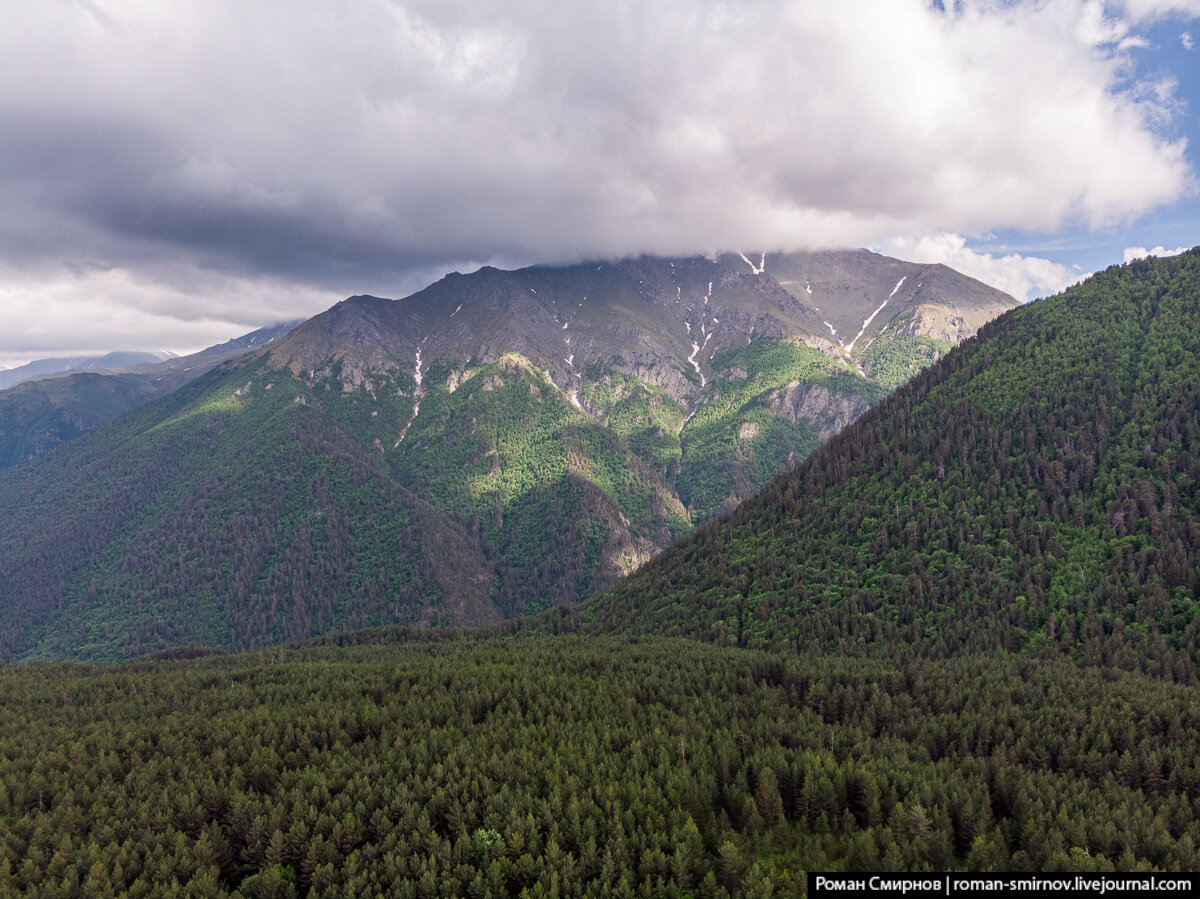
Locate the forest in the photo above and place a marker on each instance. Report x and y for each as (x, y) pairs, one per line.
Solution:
(411, 764)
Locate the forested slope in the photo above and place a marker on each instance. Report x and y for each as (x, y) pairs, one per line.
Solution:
(46, 410)
(1038, 491)
(203, 518)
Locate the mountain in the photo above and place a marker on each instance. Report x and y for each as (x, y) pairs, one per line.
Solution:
(61, 364)
(1036, 492)
(716, 372)
(495, 444)
(48, 407)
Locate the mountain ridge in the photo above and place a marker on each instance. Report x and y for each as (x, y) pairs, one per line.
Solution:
(525, 310)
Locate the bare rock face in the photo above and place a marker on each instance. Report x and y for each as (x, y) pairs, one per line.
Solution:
(819, 407)
(940, 323)
(663, 321)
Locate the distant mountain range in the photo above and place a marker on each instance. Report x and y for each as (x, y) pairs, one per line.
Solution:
(50, 401)
(494, 444)
(61, 364)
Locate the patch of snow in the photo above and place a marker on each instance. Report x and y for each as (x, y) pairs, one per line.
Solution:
(531, 290)
(897, 287)
(757, 269)
(455, 312)
(832, 329)
(574, 398)
(867, 323)
(716, 321)
(570, 360)
(694, 363)
(404, 431)
(688, 325)
(808, 286)
(418, 393)
(564, 327)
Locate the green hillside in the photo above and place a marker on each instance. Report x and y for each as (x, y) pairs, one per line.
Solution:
(58, 405)
(225, 516)
(1035, 493)
(38, 415)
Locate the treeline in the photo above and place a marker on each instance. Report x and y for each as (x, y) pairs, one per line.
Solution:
(1037, 492)
(556, 766)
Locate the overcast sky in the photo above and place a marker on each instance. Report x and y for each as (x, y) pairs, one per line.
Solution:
(173, 173)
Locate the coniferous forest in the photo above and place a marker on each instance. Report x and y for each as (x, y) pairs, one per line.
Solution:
(961, 636)
(569, 766)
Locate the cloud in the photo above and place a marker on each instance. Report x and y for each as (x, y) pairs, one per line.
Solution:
(322, 149)
(1187, 40)
(1132, 253)
(1140, 11)
(1024, 277)
(53, 312)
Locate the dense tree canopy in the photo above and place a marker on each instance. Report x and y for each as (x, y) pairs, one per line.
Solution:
(559, 766)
